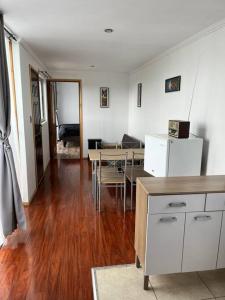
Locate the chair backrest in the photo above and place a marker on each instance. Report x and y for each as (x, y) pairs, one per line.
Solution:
(98, 144)
(117, 159)
(137, 163)
(137, 156)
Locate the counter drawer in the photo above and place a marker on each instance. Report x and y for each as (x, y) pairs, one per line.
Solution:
(215, 201)
(176, 203)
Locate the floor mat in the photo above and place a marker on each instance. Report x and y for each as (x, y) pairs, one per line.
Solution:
(71, 151)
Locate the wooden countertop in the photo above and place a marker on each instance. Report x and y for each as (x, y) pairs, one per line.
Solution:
(94, 153)
(183, 185)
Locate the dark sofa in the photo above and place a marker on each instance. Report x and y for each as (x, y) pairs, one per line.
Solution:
(69, 133)
(130, 142)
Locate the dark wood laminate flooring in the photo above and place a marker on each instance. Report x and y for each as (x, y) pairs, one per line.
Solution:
(66, 237)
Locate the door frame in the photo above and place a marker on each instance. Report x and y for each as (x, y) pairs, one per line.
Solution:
(32, 69)
(52, 140)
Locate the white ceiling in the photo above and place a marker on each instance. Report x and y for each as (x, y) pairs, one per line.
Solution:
(69, 34)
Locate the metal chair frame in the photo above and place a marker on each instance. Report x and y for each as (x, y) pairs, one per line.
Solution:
(134, 167)
(115, 172)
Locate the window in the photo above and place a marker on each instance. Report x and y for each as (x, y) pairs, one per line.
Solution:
(42, 99)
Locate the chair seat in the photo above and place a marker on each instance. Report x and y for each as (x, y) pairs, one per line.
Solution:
(109, 175)
(112, 180)
(106, 170)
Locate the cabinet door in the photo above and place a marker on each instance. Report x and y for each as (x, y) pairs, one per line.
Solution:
(164, 243)
(221, 256)
(201, 241)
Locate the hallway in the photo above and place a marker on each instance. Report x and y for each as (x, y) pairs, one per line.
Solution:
(65, 238)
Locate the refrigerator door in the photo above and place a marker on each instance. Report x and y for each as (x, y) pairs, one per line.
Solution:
(185, 157)
(156, 156)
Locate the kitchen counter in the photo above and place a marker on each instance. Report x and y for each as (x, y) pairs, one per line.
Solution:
(180, 224)
(183, 185)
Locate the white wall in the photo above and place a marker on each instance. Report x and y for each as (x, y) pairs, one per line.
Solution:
(68, 102)
(202, 62)
(22, 60)
(107, 123)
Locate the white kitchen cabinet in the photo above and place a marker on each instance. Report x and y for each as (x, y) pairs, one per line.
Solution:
(201, 240)
(168, 156)
(221, 254)
(164, 243)
(180, 224)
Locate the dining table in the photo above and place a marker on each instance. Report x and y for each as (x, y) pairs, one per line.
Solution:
(94, 156)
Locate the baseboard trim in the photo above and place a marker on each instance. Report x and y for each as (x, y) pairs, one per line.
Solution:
(27, 203)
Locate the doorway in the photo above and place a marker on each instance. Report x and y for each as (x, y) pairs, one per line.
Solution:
(65, 118)
(37, 127)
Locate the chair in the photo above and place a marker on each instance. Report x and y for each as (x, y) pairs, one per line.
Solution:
(135, 170)
(111, 176)
(103, 145)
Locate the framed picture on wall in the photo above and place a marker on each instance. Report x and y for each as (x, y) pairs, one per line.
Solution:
(104, 97)
(139, 94)
(173, 84)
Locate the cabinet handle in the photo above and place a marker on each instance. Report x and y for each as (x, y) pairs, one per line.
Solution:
(177, 204)
(202, 218)
(168, 220)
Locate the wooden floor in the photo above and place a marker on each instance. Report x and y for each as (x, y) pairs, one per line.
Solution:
(65, 238)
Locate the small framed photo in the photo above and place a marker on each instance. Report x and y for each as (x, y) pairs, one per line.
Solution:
(139, 94)
(104, 97)
(173, 84)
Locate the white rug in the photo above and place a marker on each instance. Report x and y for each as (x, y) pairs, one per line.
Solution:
(125, 282)
(71, 151)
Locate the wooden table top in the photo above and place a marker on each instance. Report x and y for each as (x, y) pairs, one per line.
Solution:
(183, 185)
(94, 153)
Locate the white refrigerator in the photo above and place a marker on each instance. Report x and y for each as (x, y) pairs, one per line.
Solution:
(168, 156)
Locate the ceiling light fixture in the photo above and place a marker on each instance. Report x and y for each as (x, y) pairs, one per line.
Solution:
(108, 30)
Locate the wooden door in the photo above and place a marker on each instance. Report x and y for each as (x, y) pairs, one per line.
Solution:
(201, 241)
(37, 128)
(51, 91)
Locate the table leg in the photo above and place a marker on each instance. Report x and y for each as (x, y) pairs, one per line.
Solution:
(94, 181)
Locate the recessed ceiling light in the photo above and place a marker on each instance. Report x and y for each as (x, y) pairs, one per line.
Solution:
(108, 30)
